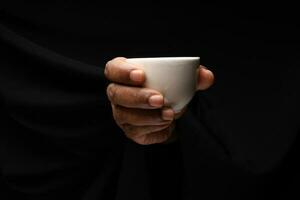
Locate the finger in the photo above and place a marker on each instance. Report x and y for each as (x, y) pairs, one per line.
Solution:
(138, 131)
(206, 78)
(134, 97)
(120, 71)
(154, 138)
(139, 117)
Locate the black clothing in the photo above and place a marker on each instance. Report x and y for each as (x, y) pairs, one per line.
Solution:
(238, 140)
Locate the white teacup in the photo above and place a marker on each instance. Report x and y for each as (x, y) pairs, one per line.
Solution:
(174, 77)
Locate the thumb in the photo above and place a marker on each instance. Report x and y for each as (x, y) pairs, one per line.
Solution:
(205, 78)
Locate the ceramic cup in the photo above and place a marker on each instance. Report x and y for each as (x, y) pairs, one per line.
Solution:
(174, 77)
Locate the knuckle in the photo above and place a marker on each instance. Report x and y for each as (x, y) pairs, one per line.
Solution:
(134, 134)
(107, 69)
(131, 135)
(135, 96)
(141, 140)
(108, 91)
(131, 132)
(141, 96)
(118, 58)
(128, 129)
(112, 92)
(115, 113)
(118, 116)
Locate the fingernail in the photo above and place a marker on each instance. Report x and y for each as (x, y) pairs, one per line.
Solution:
(137, 75)
(156, 100)
(168, 114)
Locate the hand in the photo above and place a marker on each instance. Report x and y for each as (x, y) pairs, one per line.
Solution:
(139, 111)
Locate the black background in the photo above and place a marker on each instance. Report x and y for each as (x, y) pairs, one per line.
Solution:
(253, 50)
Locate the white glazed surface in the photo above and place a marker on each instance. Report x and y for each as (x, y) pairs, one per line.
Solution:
(174, 77)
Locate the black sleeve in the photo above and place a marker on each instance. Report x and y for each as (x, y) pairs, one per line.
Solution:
(53, 95)
(204, 126)
(57, 133)
(242, 133)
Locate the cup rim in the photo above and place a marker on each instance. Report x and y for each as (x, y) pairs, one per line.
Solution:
(165, 58)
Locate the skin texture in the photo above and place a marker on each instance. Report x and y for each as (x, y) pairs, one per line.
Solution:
(139, 111)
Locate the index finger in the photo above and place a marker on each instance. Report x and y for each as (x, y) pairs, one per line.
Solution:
(120, 71)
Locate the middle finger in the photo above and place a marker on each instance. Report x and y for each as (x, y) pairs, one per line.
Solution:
(134, 97)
